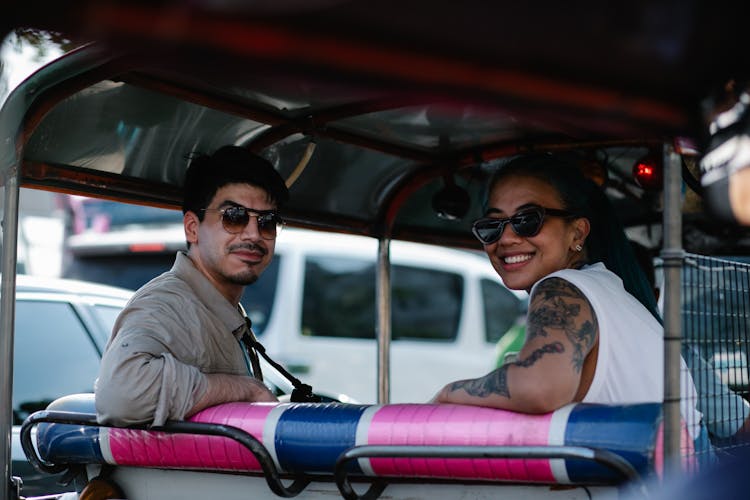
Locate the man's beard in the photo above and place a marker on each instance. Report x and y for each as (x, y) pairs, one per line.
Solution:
(244, 278)
(248, 276)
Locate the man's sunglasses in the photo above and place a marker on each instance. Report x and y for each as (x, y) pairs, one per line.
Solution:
(526, 223)
(235, 218)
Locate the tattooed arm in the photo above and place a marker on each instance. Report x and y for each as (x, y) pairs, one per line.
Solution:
(561, 331)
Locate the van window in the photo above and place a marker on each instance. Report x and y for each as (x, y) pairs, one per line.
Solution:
(86, 214)
(501, 309)
(258, 298)
(124, 269)
(339, 300)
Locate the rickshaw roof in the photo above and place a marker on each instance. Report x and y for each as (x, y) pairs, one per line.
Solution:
(401, 100)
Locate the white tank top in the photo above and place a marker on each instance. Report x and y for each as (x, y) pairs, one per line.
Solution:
(629, 366)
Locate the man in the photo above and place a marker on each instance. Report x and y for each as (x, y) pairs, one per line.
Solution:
(176, 347)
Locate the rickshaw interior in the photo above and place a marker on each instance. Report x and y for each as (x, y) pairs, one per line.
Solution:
(388, 126)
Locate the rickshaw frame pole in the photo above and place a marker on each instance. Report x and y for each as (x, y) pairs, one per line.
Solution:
(7, 317)
(673, 256)
(383, 292)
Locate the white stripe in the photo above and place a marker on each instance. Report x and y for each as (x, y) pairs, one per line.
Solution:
(104, 446)
(557, 427)
(269, 431)
(360, 438)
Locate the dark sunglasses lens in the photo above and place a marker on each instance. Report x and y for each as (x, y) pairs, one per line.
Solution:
(269, 225)
(527, 224)
(488, 231)
(235, 219)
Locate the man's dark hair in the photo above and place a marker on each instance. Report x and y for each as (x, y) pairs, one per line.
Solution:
(206, 174)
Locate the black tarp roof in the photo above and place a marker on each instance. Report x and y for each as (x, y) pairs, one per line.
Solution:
(400, 98)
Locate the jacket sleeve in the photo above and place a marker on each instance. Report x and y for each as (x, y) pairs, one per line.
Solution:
(140, 380)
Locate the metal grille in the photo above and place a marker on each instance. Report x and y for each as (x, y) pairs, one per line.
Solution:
(715, 309)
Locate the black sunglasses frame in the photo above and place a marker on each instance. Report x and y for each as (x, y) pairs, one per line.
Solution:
(235, 218)
(515, 223)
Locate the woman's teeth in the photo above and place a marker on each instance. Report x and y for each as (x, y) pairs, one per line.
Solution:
(515, 259)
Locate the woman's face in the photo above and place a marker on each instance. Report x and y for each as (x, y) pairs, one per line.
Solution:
(522, 261)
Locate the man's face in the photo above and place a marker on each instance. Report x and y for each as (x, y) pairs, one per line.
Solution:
(230, 261)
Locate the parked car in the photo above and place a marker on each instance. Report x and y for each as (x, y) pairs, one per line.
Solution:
(314, 306)
(731, 368)
(61, 328)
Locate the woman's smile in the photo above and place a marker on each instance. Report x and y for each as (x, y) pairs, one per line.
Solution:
(519, 260)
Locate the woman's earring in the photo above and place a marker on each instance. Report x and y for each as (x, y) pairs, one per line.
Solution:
(579, 248)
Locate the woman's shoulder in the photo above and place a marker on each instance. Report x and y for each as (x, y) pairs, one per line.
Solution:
(595, 271)
(591, 275)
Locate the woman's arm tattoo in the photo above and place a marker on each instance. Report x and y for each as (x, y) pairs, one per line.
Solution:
(553, 307)
(496, 382)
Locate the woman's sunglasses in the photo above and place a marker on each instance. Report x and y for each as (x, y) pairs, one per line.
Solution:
(526, 223)
(235, 218)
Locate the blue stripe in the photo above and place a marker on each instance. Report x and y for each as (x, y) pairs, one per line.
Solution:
(67, 443)
(70, 444)
(310, 437)
(630, 431)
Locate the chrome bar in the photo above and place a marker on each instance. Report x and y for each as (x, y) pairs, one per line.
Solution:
(606, 458)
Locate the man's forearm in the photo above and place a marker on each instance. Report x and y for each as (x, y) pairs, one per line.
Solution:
(225, 388)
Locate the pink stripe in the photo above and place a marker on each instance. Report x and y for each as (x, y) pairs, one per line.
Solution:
(687, 451)
(411, 424)
(129, 447)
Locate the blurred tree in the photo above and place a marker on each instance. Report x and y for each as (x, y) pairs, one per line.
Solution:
(34, 47)
(42, 41)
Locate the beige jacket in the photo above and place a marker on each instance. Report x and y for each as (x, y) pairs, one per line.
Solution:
(175, 329)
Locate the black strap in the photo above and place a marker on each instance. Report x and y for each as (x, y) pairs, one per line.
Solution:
(302, 393)
(248, 339)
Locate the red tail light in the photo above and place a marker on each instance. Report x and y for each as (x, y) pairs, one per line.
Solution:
(648, 173)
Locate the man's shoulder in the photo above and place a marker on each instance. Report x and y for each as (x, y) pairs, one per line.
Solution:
(167, 287)
(160, 304)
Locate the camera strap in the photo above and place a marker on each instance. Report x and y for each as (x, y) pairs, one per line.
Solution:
(302, 393)
(249, 341)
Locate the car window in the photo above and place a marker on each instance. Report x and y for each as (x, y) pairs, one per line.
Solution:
(339, 300)
(53, 356)
(501, 309)
(106, 316)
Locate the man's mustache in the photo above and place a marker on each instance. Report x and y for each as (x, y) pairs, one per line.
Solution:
(253, 247)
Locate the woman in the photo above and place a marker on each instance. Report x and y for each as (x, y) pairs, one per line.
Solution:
(592, 333)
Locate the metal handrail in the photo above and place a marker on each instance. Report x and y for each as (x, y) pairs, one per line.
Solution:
(604, 457)
(255, 447)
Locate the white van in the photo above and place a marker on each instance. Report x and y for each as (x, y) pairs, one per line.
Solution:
(314, 306)
(448, 310)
